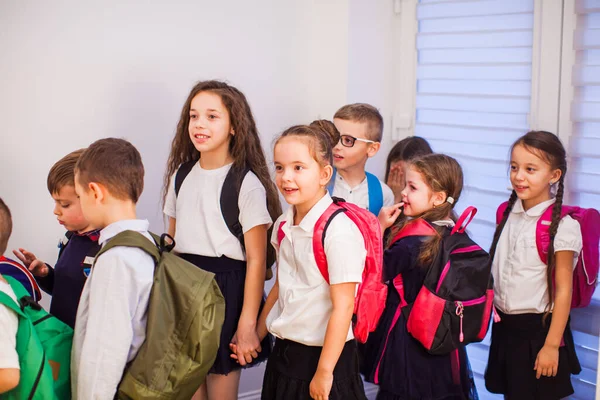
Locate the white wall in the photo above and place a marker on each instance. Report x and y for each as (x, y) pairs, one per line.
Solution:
(72, 72)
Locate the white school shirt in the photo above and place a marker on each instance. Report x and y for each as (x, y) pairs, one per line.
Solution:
(9, 323)
(201, 228)
(304, 306)
(520, 283)
(359, 194)
(112, 315)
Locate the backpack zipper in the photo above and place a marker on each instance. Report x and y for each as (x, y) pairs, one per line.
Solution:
(460, 308)
(42, 319)
(37, 379)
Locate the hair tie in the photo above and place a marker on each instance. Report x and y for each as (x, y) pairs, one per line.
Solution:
(450, 199)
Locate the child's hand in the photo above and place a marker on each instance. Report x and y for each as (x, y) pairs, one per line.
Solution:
(388, 215)
(320, 386)
(36, 266)
(245, 344)
(546, 363)
(396, 181)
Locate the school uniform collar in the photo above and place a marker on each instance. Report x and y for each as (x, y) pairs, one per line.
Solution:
(535, 211)
(310, 219)
(347, 185)
(93, 235)
(110, 231)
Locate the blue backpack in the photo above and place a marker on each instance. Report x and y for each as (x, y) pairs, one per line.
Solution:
(375, 191)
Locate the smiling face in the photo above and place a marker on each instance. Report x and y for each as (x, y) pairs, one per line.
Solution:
(67, 209)
(299, 177)
(531, 176)
(210, 125)
(416, 195)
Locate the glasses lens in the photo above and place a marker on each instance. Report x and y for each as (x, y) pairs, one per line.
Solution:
(347, 141)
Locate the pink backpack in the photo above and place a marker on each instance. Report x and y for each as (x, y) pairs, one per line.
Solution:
(585, 275)
(372, 292)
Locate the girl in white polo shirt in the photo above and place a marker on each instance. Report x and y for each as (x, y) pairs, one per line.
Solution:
(532, 355)
(315, 352)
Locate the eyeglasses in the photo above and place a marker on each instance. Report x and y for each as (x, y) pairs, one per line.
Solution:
(348, 141)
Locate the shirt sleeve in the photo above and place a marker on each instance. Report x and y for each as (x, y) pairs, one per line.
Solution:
(170, 207)
(568, 236)
(114, 298)
(345, 251)
(253, 203)
(8, 338)
(388, 195)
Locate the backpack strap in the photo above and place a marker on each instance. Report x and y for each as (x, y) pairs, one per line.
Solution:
(230, 194)
(319, 236)
(136, 239)
(417, 227)
(375, 193)
(500, 212)
(183, 171)
(20, 292)
(464, 220)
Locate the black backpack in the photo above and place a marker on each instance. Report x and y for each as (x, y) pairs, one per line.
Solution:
(229, 205)
(454, 305)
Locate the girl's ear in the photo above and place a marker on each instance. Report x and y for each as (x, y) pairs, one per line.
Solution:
(556, 175)
(438, 198)
(326, 174)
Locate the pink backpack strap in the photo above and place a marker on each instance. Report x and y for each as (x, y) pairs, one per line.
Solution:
(280, 232)
(319, 238)
(417, 227)
(500, 212)
(464, 220)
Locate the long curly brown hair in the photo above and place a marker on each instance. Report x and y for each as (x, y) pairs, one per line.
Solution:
(244, 147)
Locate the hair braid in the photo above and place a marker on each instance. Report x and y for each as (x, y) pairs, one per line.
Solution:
(511, 202)
(556, 216)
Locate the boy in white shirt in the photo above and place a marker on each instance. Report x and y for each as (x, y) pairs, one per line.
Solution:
(361, 131)
(9, 359)
(111, 319)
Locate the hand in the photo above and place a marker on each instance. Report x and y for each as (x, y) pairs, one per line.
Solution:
(36, 266)
(320, 386)
(388, 215)
(245, 344)
(396, 181)
(546, 362)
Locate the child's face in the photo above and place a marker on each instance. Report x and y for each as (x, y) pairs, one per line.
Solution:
(89, 204)
(530, 176)
(416, 195)
(345, 158)
(67, 209)
(299, 177)
(210, 127)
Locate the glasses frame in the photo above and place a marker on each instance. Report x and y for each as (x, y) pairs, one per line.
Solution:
(354, 139)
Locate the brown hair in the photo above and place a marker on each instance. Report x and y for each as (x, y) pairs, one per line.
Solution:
(62, 172)
(5, 226)
(114, 163)
(548, 147)
(318, 142)
(361, 112)
(329, 128)
(405, 150)
(244, 146)
(441, 173)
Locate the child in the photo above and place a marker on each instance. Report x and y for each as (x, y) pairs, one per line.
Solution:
(329, 128)
(315, 352)
(403, 151)
(9, 359)
(532, 354)
(393, 358)
(112, 314)
(361, 130)
(218, 129)
(65, 281)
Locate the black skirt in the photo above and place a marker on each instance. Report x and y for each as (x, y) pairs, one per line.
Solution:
(516, 342)
(230, 275)
(292, 365)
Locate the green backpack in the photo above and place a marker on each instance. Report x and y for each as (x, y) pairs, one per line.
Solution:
(44, 349)
(185, 315)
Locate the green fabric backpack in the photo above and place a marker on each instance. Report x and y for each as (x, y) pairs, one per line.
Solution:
(44, 349)
(185, 315)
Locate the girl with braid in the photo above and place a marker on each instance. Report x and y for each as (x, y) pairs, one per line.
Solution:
(532, 355)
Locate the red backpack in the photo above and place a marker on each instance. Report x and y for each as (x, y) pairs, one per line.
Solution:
(585, 275)
(372, 292)
(454, 305)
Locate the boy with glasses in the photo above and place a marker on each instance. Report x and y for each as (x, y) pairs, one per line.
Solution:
(361, 130)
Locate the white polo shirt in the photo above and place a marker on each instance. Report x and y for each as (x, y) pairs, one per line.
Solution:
(303, 309)
(520, 283)
(359, 194)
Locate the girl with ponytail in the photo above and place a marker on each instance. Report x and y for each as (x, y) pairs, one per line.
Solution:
(532, 354)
